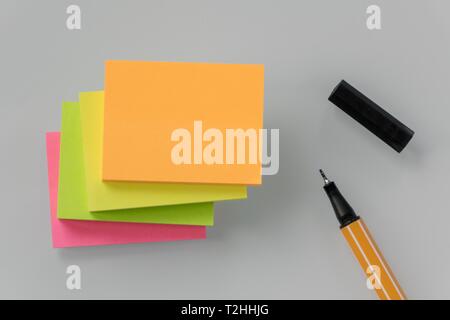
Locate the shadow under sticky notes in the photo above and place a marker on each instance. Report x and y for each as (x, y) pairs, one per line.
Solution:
(72, 196)
(119, 195)
(145, 102)
(73, 233)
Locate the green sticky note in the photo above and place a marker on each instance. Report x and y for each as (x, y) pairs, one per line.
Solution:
(109, 195)
(72, 196)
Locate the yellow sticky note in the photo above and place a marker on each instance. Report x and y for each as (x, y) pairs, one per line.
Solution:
(104, 195)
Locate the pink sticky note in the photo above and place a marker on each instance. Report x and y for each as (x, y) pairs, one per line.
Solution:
(73, 233)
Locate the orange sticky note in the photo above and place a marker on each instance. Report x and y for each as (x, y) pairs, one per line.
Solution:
(183, 122)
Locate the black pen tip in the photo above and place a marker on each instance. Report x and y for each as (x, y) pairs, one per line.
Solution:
(325, 179)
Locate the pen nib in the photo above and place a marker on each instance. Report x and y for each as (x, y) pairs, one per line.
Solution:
(325, 179)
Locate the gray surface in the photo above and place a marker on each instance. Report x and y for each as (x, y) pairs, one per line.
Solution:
(283, 242)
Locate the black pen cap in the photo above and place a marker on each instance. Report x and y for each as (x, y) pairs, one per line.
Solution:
(371, 116)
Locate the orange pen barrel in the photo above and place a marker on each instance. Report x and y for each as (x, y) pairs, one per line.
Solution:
(380, 277)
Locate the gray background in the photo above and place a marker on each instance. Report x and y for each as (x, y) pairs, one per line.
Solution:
(283, 242)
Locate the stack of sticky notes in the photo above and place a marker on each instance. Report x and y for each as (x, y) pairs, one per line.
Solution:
(145, 159)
